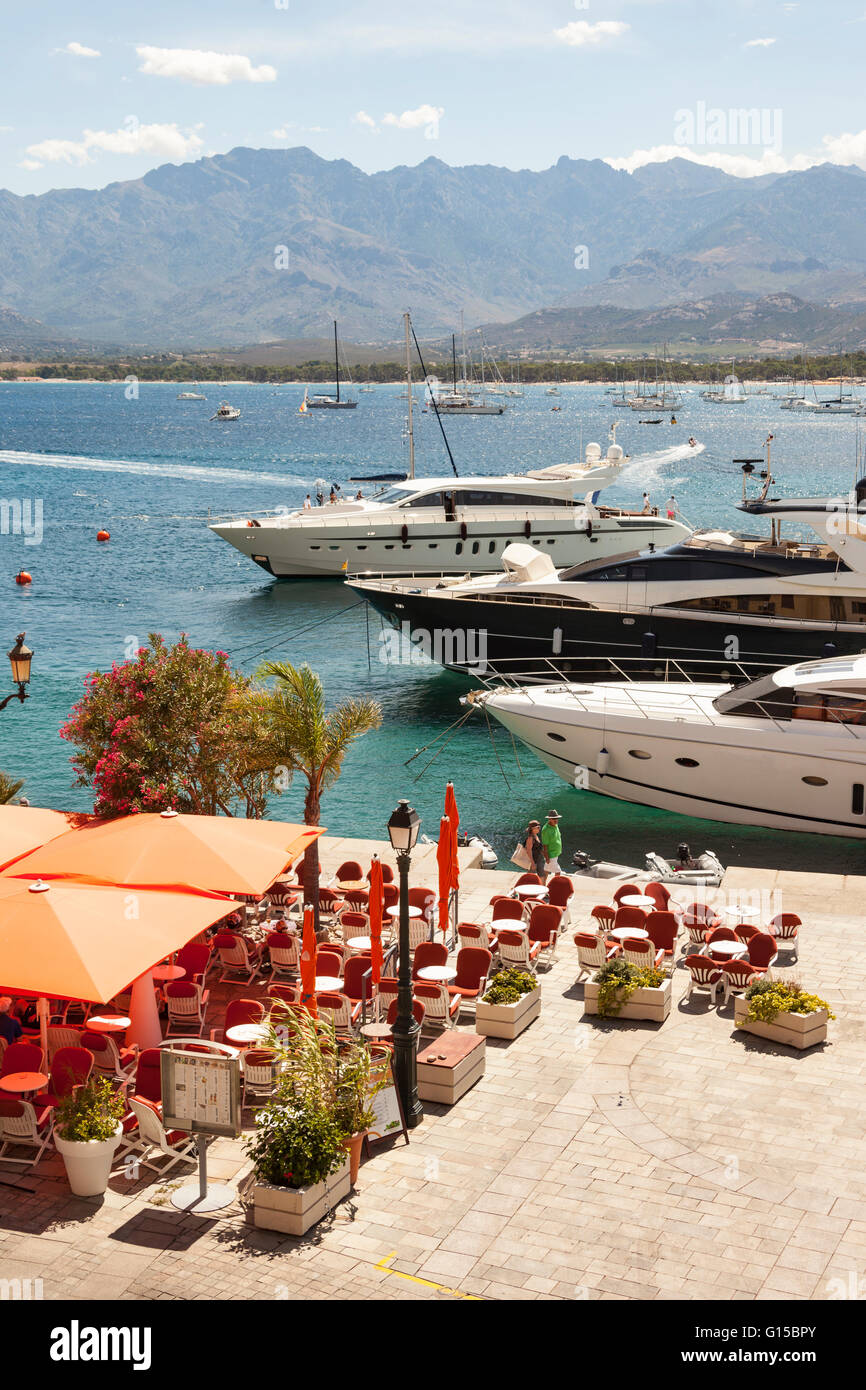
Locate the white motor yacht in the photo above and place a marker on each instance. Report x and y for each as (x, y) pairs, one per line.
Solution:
(226, 412)
(786, 751)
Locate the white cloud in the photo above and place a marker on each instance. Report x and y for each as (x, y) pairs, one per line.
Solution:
(361, 118)
(581, 34)
(29, 164)
(292, 128)
(163, 141)
(79, 51)
(203, 68)
(413, 120)
(759, 43)
(846, 149)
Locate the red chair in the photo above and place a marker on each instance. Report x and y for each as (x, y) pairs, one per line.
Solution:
(640, 951)
(390, 895)
(71, 1067)
(428, 953)
(330, 902)
(698, 914)
(507, 910)
(545, 921)
(560, 890)
(528, 878)
(762, 951)
(387, 874)
(439, 1007)
(745, 933)
(350, 871)
(517, 951)
(719, 934)
(194, 958)
(424, 899)
(605, 917)
(592, 953)
(469, 934)
(627, 890)
(785, 926)
(358, 899)
(388, 987)
(354, 985)
(473, 967)
(24, 1056)
(704, 973)
(338, 1009)
(285, 994)
(630, 917)
(660, 895)
(663, 931)
(284, 951)
(418, 1011)
(328, 962)
(239, 1011)
(109, 1059)
(738, 975)
(148, 1075)
(237, 956)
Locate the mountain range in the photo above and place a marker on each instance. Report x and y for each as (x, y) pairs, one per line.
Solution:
(254, 246)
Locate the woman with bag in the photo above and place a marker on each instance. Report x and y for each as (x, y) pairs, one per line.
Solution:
(529, 854)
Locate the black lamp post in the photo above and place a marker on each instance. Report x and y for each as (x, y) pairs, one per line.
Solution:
(20, 658)
(403, 830)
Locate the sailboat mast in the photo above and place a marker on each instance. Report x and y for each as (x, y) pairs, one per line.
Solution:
(454, 361)
(336, 360)
(409, 390)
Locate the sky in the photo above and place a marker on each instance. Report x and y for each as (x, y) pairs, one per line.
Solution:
(96, 92)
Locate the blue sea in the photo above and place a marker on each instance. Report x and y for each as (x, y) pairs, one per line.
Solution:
(151, 470)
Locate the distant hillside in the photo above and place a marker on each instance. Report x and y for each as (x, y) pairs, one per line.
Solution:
(187, 256)
(24, 338)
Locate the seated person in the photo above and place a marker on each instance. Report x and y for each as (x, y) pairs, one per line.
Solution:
(10, 1027)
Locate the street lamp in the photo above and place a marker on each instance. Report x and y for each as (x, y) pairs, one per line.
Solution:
(403, 830)
(20, 658)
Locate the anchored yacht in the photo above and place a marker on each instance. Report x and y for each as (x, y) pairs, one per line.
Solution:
(434, 525)
(786, 751)
(715, 596)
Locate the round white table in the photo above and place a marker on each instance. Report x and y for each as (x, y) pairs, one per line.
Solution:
(531, 890)
(359, 943)
(162, 973)
(437, 973)
(107, 1024)
(637, 900)
(395, 911)
(622, 932)
(377, 1030)
(245, 1033)
(329, 982)
(739, 914)
(727, 948)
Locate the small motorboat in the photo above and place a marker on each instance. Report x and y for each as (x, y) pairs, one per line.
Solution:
(191, 396)
(226, 412)
(465, 839)
(705, 871)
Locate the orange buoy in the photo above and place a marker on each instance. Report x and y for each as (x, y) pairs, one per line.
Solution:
(103, 535)
(22, 577)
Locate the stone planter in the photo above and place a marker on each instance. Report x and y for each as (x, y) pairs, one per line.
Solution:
(88, 1162)
(508, 1020)
(294, 1210)
(651, 1004)
(795, 1030)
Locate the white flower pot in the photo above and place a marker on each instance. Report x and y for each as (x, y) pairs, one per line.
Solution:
(795, 1030)
(651, 1004)
(88, 1162)
(507, 1020)
(295, 1209)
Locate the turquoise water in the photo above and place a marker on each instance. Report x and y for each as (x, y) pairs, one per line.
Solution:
(149, 469)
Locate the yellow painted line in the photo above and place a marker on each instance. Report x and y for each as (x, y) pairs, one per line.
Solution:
(429, 1283)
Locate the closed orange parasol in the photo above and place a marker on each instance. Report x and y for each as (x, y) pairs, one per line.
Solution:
(309, 951)
(375, 908)
(25, 828)
(454, 822)
(444, 858)
(82, 941)
(222, 854)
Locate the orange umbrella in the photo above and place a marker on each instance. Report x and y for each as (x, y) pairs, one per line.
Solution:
(444, 858)
(454, 822)
(25, 828)
(80, 941)
(309, 950)
(222, 854)
(375, 907)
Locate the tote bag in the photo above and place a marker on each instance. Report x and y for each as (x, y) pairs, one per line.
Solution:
(521, 857)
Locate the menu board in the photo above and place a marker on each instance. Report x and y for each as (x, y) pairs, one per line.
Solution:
(201, 1093)
(389, 1115)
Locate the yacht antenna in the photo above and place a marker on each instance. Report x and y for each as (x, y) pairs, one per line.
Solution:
(406, 322)
(433, 401)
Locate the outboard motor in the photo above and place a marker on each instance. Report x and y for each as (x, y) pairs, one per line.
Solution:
(684, 855)
(582, 860)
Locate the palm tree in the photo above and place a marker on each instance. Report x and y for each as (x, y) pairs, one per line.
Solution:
(8, 788)
(313, 742)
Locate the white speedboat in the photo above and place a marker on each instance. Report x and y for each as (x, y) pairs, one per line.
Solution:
(786, 751)
(226, 412)
(433, 526)
(191, 396)
(705, 871)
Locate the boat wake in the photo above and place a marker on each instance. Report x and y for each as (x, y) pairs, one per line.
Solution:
(187, 472)
(646, 469)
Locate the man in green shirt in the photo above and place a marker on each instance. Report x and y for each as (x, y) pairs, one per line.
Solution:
(552, 842)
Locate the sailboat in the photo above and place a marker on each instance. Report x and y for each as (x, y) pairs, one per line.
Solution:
(460, 400)
(322, 401)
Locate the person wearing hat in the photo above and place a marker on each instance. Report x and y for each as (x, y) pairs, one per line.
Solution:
(551, 843)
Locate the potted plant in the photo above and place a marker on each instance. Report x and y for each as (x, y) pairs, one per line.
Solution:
(87, 1131)
(300, 1165)
(622, 990)
(783, 1012)
(511, 1002)
(355, 1085)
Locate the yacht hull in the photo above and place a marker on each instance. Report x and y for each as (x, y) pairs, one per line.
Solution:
(533, 640)
(717, 780)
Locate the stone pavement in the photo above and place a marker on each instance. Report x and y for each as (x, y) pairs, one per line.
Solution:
(595, 1159)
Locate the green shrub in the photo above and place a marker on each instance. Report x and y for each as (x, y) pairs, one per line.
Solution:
(617, 981)
(768, 998)
(508, 986)
(294, 1147)
(92, 1111)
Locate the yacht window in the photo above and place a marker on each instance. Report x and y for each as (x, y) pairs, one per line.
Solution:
(857, 799)
(551, 542)
(638, 753)
(333, 547)
(432, 545)
(475, 547)
(814, 781)
(389, 547)
(557, 738)
(362, 547)
(458, 549)
(687, 762)
(315, 547)
(427, 499)
(491, 546)
(475, 497)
